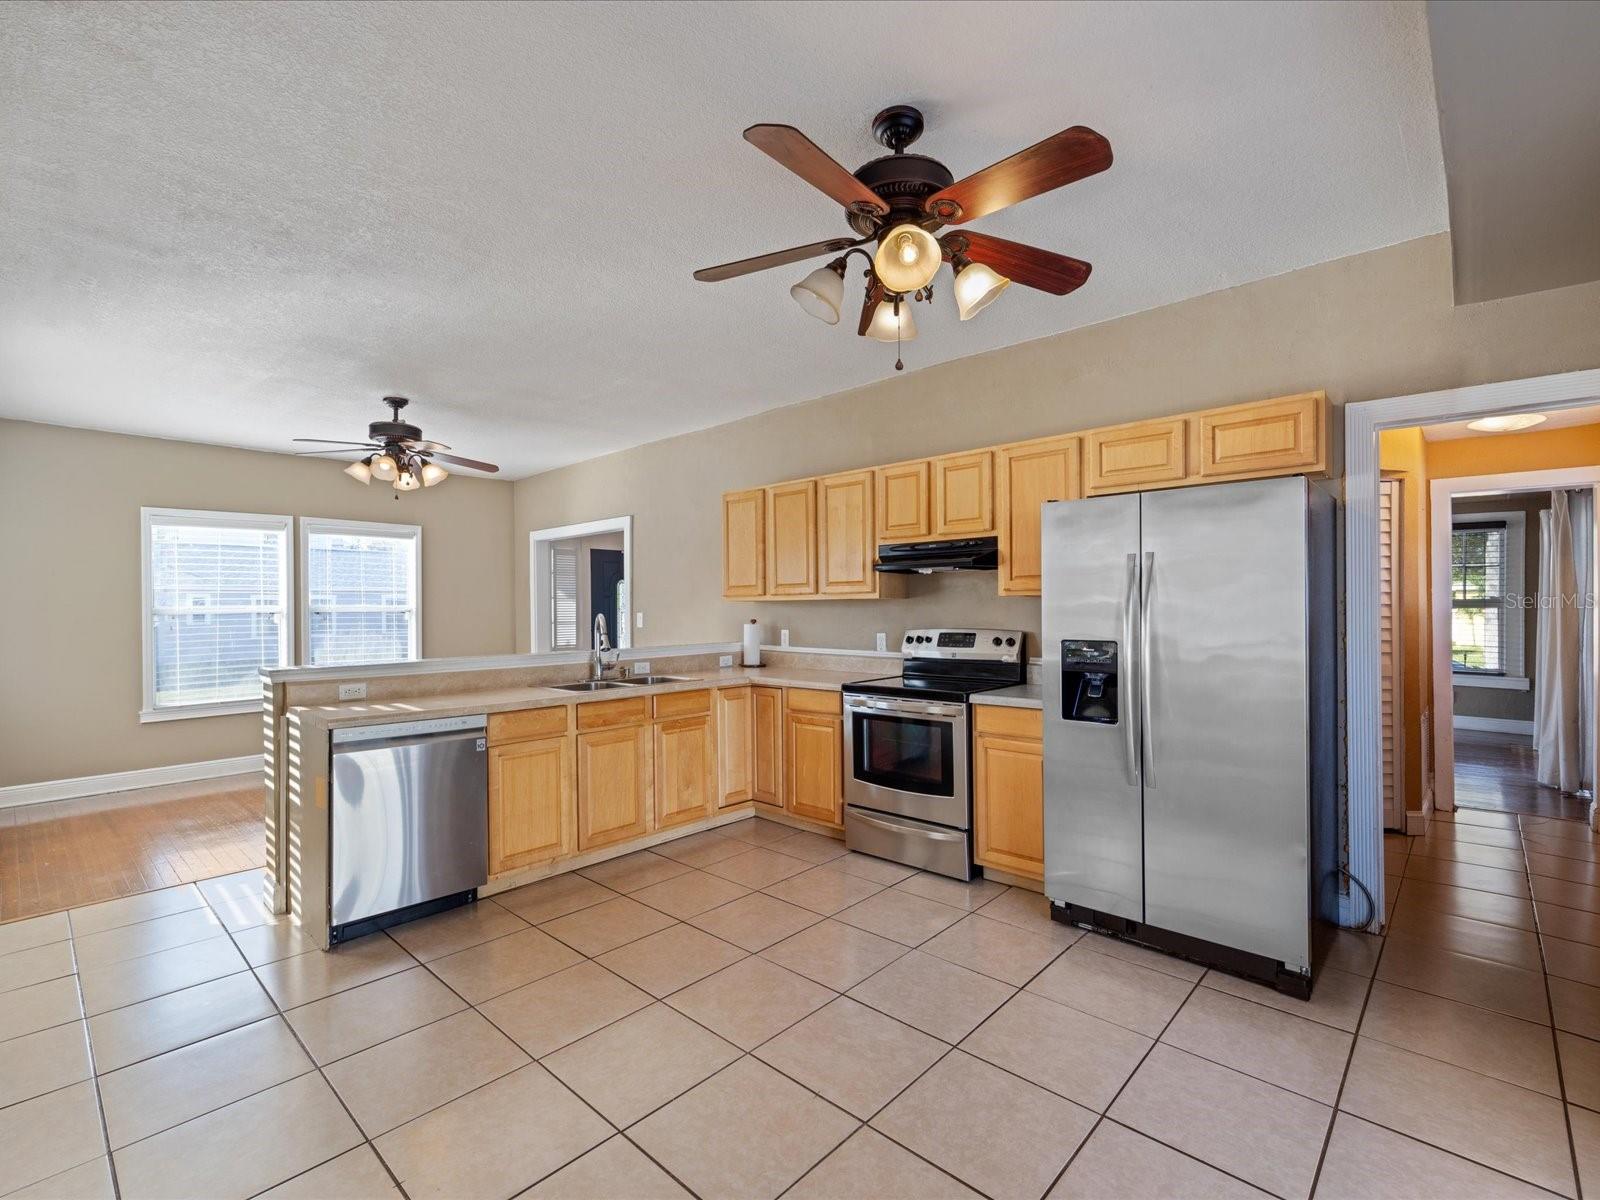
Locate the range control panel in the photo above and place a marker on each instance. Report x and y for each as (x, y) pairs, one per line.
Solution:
(986, 645)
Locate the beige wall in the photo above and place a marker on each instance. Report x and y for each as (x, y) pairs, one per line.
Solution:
(69, 583)
(1373, 325)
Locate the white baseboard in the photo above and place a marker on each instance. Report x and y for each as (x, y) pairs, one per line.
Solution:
(1492, 725)
(125, 781)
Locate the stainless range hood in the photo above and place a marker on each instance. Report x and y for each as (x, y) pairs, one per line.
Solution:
(927, 558)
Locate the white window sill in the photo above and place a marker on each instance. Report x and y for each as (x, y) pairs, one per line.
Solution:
(146, 715)
(1509, 683)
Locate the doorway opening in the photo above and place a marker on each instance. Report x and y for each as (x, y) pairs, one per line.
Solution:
(577, 576)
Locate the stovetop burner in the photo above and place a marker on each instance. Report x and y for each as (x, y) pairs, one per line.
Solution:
(951, 665)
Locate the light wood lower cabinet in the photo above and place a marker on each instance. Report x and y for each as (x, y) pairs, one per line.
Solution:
(1008, 789)
(686, 770)
(766, 733)
(735, 746)
(532, 810)
(813, 755)
(614, 784)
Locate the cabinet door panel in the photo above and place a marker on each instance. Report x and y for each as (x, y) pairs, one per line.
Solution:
(1262, 439)
(613, 785)
(767, 732)
(744, 559)
(1133, 456)
(963, 494)
(792, 539)
(686, 771)
(814, 785)
(735, 746)
(904, 504)
(845, 546)
(1008, 803)
(1029, 475)
(532, 813)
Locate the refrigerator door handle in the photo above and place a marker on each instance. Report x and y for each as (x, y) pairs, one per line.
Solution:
(1146, 725)
(1130, 745)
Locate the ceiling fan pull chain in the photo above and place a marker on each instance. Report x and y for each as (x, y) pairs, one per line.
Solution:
(899, 364)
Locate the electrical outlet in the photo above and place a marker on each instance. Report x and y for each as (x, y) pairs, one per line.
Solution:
(783, 637)
(352, 691)
(725, 661)
(638, 619)
(640, 668)
(883, 641)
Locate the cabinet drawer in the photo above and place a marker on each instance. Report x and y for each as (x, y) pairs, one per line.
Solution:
(810, 700)
(682, 704)
(1009, 722)
(604, 714)
(528, 723)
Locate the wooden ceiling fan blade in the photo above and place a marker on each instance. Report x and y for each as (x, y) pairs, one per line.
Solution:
(419, 444)
(470, 463)
(869, 305)
(1063, 158)
(778, 258)
(1027, 265)
(332, 442)
(358, 451)
(793, 149)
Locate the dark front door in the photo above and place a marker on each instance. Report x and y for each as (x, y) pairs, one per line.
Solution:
(605, 573)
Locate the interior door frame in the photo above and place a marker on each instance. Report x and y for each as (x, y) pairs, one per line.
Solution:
(1363, 421)
(538, 607)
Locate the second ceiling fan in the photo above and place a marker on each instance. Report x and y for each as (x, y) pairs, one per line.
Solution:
(902, 201)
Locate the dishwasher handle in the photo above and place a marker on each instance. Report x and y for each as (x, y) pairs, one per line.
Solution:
(390, 733)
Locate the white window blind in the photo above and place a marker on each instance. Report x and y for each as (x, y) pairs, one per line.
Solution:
(1478, 590)
(362, 581)
(216, 598)
(563, 598)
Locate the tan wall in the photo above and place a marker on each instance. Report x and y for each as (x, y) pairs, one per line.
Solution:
(69, 585)
(1372, 325)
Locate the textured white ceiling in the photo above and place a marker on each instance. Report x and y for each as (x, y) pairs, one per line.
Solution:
(239, 222)
(1566, 418)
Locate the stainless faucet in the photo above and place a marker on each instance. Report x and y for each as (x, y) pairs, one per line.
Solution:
(602, 646)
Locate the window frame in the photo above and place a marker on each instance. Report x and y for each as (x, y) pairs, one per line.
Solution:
(337, 525)
(150, 517)
(1513, 675)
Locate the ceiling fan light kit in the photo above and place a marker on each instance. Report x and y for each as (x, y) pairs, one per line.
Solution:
(397, 454)
(902, 201)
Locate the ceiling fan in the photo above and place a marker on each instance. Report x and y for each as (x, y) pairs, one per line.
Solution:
(901, 201)
(396, 453)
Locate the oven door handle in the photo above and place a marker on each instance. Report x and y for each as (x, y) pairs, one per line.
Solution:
(897, 826)
(911, 708)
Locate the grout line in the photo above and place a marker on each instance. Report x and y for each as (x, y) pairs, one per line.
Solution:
(99, 1100)
(1344, 1076)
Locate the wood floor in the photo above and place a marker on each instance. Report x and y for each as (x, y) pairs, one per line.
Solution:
(74, 852)
(1496, 771)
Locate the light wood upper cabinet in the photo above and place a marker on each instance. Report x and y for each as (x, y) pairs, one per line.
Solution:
(1128, 457)
(1008, 789)
(532, 807)
(614, 783)
(766, 731)
(792, 538)
(1026, 476)
(735, 746)
(686, 770)
(1252, 440)
(904, 502)
(744, 558)
(963, 495)
(813, 755)
(845, 535)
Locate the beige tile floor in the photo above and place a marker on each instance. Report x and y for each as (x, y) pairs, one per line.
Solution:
(753, 1012)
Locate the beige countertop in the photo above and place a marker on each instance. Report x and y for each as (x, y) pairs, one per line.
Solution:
(1027, 695)
(364, 712)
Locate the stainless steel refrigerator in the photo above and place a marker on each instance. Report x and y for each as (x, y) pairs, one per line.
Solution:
(1190, 699)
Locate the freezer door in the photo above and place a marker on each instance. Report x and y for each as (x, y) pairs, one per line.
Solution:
(1092, 819)
(1226, 740)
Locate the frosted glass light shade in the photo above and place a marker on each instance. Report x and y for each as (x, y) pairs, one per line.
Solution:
(407, 482)
(1507, 424)
(821, 293)
(907, 259)
(882, 326)
(384, 468)
(433, 473)
(359, 471)
(976, 286)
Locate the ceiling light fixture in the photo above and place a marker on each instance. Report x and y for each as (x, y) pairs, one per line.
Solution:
(889, 326)
(976, 286)
(433, 473)
(384, 468)
(908, 258)
(360, 470)
(407, 482)
(821, 293)
(396, 452)
(1510, 423)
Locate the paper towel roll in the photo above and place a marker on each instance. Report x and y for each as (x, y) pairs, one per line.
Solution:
(752, 643)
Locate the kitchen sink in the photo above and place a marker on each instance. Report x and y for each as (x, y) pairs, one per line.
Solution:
(589, 685)
(647, 680)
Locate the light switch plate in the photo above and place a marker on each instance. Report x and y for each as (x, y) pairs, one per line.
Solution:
(883, 641)
(639, 668)
(638, 619)
(783, 637)
(352, 691)
(725, 661)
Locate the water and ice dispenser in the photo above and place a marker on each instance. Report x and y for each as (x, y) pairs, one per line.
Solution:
(1089, 682)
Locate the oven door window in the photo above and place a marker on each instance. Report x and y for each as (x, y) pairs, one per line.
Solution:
(905, 754)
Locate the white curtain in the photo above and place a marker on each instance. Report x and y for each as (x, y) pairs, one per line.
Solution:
(1558, 704)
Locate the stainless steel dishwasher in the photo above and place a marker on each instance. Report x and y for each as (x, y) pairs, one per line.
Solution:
(410, 821)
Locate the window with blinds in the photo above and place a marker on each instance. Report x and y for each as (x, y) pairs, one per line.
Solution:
(563, 597)
(361, 586)
(1478, 588)
(216, 599)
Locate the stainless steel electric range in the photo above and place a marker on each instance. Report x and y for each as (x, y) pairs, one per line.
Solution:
(908, 747)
